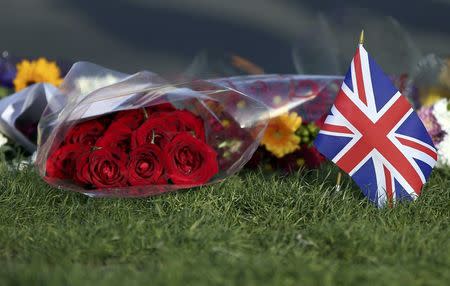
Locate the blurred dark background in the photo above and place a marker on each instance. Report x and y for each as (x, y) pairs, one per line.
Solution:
(283, 36)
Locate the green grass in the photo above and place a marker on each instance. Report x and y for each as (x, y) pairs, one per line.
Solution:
(249, 230)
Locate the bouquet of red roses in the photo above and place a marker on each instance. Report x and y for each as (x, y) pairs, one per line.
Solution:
(147, 146)
(141, 136)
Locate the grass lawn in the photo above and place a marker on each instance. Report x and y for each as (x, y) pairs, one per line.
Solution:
(249, 230)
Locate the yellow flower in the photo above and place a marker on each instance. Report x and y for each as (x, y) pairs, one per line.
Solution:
(300, 162)
(277, 100)
(431, 99)
(226, 123)
(41, 70)
(241, 104)
(434, 94)
(280, 138)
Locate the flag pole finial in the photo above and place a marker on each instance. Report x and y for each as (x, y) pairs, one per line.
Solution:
(361, 37)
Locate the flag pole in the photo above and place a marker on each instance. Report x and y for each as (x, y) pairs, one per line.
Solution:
(338, 182)
(361, 37)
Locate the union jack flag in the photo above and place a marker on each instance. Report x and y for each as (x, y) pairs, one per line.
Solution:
(374, 135)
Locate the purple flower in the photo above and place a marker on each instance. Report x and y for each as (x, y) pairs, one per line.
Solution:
(431, 124)
(7, 72)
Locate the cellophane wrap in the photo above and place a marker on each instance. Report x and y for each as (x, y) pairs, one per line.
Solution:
(310, 96)
(21, 112)
(113, 134)
(212, 129)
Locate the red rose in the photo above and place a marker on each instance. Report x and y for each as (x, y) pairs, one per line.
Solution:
(131, 118)
(153, 131)
(163, 107)
(82, 176)
(312, 156)
(105, 119)
(118, 135)
(183, 120)
(107, 168)
(160, 127)
(145, 166)
(190, 161)
(61, 163)
(85, 133)
(321, 121)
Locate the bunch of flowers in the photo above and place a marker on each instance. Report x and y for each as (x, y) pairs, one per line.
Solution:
(432, 79)
(429, 81)
(158, 145)
(287, 144)
(17, 75)
(436, 119)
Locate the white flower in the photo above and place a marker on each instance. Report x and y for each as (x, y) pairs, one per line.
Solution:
(3, 140)
(442, 114)
(22, 165)
(86, 85)
(27, 163)
(444, 152)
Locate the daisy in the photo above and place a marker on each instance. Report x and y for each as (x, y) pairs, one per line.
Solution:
(442, 114)
(280, 138)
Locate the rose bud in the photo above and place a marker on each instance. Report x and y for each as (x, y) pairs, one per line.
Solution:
(189, 161)
(145, 166)
(85, 133)
(108, 168)
(61, 164)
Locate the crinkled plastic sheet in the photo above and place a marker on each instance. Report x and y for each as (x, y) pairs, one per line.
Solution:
(21, 112)
(311, 96)
(210, 101)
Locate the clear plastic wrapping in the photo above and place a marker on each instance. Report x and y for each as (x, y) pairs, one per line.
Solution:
(21, 112)
(311, 96)
(141, 136)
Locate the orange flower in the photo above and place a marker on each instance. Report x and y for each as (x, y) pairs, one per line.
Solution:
(280, 138)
